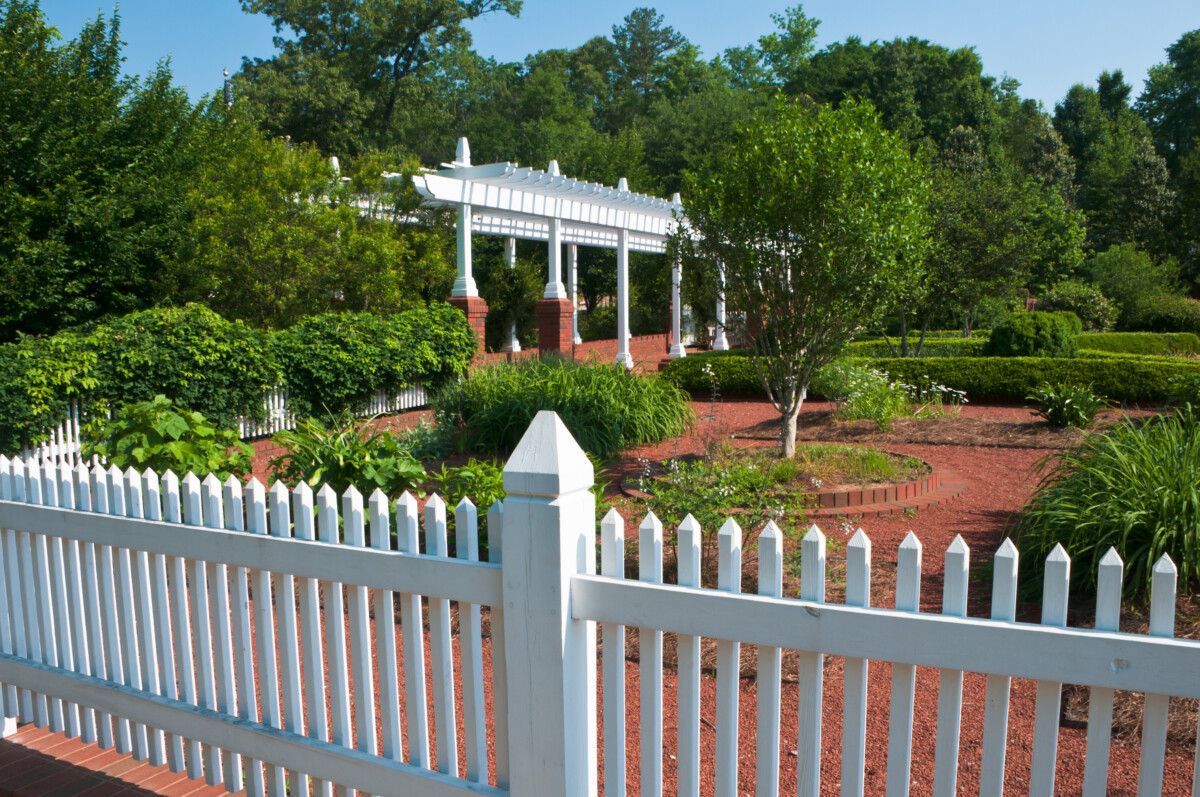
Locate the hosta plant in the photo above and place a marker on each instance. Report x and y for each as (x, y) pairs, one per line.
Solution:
(1068, 405)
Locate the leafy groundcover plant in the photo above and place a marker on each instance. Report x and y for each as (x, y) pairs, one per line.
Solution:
(1135, 488)
(1068, 405)
(605, 407)
(159, 435)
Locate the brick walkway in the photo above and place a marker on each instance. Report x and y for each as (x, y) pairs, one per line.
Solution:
(38, 763)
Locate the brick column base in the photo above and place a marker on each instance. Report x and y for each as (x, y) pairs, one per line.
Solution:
(555, 331)
(475, 309)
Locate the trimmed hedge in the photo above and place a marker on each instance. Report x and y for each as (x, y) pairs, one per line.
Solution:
(1117, 377)
(1034, 334)
(933, 347)
(1161, 343)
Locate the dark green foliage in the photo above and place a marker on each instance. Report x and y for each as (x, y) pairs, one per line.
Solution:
(935, 347)
(1032, 335)
(1086, 302)
(1135, 488)
(1131, 279)
(161, 436)
(1185, 390)
(1168, 314)
(203, 362)
(346, 452)
(1068, 405)
(606, 407)
(1120, 378)
(480, 480)
(1165, 343)
(733, 371)
(1073, 321)
(336, 362)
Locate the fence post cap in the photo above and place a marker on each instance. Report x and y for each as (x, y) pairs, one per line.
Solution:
(547, 461)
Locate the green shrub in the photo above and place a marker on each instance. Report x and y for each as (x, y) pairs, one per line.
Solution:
(1032, 335)
(1135, 488)
(1068, 405)
(860, 392)
(1167, 314)
(38, 379)
(1185, 390)
(203, 362)
(338, 361)
(1094, 312)
(1162, 343)
(1131, 279)
(1073, 322)
(347, 452)
(162, 436)
(1119, 378)
(606, 407)
(733, 371)
(932, 347)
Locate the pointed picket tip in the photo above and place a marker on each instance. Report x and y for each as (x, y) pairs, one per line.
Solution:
(651, 522)
(254, 485)
(131, 473)
(3, 461)
(407, 501)
(958, 546)
(97, 469)
(81, 471)
(1112, 558)
(1164, 566)
(1007, 550)
(190, 481)
(378, 499)
(1059, 554)
(613, 516)
(303, 492)
(860, 540)
(352, 499)
(113, 470)
(770, 531)
(169, 476)
(327, 494)
(548, 462)
(814, 534)
(279, 490)
(148, 476)
(211, 481)
(730, 529)
(434, 502)
(689, 524)
(465, 503)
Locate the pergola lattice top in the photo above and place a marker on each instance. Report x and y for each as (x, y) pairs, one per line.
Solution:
(520, 201)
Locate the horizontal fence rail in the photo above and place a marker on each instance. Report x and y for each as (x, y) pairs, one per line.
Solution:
(63, 444)
(248, 637)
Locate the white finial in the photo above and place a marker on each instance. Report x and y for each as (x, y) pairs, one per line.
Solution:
(623, 185)
(463, 156)
(552, 169)
(335, 164)
(676, 199)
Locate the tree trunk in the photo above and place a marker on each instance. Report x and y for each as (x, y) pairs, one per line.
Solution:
(904, 334)
(787, 435)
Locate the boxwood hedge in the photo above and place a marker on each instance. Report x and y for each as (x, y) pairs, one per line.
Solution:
(1166, 344)
(1118, 377)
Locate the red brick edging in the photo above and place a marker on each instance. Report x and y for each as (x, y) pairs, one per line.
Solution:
(937, 488)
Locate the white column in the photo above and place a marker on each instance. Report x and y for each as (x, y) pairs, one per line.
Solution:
(573, 289)
(464, 284)
(720, 343)
(554, 286)
(677, 349)
(549, 536)
(623, 356)
(510, 257)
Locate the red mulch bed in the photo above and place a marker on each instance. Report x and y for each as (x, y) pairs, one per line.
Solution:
(996, 448)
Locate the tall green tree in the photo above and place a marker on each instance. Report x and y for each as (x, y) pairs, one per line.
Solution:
(351, 76)
(819, 217)
(94, 175)
(1170, 103)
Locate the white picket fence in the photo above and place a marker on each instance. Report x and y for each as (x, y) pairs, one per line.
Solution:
(133, 612)
(64, 446)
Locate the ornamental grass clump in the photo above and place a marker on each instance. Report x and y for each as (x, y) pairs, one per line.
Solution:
(605, 407)
(1135, 488)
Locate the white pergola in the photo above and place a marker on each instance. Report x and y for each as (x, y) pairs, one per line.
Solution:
(520, 202)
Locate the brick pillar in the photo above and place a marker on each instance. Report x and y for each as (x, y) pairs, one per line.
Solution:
(475, 309)
(555, 330)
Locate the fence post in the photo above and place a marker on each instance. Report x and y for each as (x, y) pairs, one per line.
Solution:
(549, 527)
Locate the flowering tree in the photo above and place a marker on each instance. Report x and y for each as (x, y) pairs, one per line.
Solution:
(818, 217)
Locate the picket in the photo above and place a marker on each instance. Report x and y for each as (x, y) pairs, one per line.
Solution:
(441, 656)
(385, 637)
(1049, 693)
(729, 579)
(612, 565)
(470, 634)
(164, 504)
(265, 649)
(146, 638)
(810, 672)
(995, 717)
(770, 667)
(290, 684)
(688, 669)
(495, 518)
(334, 614)
(91, 602)
(195, 513)
(47, 595)
(904, 676)
(413, 641)
(1154, 715)
(361, 665)
(950, 682)
(1100, 700)
(114, 670)
(312, 643)
(180, 508)
(854, 700)
(650, 662)
(9, 698)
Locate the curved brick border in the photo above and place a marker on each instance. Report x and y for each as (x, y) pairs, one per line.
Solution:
(937, 488)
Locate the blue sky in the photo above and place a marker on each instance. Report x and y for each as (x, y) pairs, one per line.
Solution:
(1047, 45)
